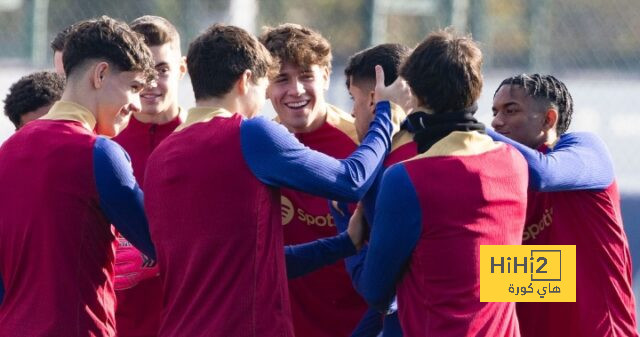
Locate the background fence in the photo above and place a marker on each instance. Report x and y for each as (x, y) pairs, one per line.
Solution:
(593, 45)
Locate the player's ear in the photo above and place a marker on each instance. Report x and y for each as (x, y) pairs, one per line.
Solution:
(98, 74)
(372, 100)
(326, 77)
(183, 66)
(550, 119)
(243, 83)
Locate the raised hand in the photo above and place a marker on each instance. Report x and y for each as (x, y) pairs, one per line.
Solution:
(398, 92)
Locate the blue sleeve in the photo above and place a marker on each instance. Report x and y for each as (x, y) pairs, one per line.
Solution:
(392, 326)
(578, 161)
(307, 257)
(370, 325)
(369, 200)
(121, 198)
(277, 158)
(394, 234)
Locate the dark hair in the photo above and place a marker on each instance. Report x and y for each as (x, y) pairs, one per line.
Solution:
(32, 92)
(217, 58)
(297, 44)
(444, 71)
(548, 90)
(110, 40)
(156, 30)
(57, 44)
(361, 66)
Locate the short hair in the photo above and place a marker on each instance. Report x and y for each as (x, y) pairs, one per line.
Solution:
(110, 40)
(297, 44)
(361, 66)
(445, 71)
(32, 92)
(57, 44)
(548, 90)
(156, 30)
(218, 57)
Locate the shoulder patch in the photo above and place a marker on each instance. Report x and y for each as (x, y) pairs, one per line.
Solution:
(342, 121)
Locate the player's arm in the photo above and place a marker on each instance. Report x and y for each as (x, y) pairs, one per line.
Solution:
(120, 197)
(307, 257)
(304, 258)
(394, 234)
(277, 158)
(578, 161)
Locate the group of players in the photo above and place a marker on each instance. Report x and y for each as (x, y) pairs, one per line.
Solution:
(412, 182)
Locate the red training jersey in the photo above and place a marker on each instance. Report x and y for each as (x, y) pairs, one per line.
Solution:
(323, 303)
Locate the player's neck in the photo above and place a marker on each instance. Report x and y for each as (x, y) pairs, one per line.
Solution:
(75, 94)
(551, 138)
(229, 102)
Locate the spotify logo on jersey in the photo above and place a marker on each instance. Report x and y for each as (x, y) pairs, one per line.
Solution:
(287, 210)
(302, 216)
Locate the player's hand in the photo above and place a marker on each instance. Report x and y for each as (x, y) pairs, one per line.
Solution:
(131, 266)
(357, 228)
(341, 214)
(398, 92)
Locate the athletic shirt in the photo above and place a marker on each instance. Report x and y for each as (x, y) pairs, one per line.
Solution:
(432, 214)
(139, 302)
(402, 148)
(323, 303)
(65, 186)
(574, 200)
(221, 255)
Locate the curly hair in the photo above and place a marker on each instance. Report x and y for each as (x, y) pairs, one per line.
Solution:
(107, 39)
(32, 92)
(297, 44)
(217, 58)
(57, 44)
(548, 90)
(445, 71)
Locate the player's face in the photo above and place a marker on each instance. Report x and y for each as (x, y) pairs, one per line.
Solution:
(518, 116)
(57, 62)
(297, 95)
(256, 96)
(363, 108)
(163, 97)
(119, 97)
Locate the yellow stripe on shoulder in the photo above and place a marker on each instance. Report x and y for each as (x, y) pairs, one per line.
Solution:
(70, 111)
(202, 115)
(342, 121)
(461, 143)
(401, 138)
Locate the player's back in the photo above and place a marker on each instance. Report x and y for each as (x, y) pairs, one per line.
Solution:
(56, 246)
(471, 192)
(217, 231)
